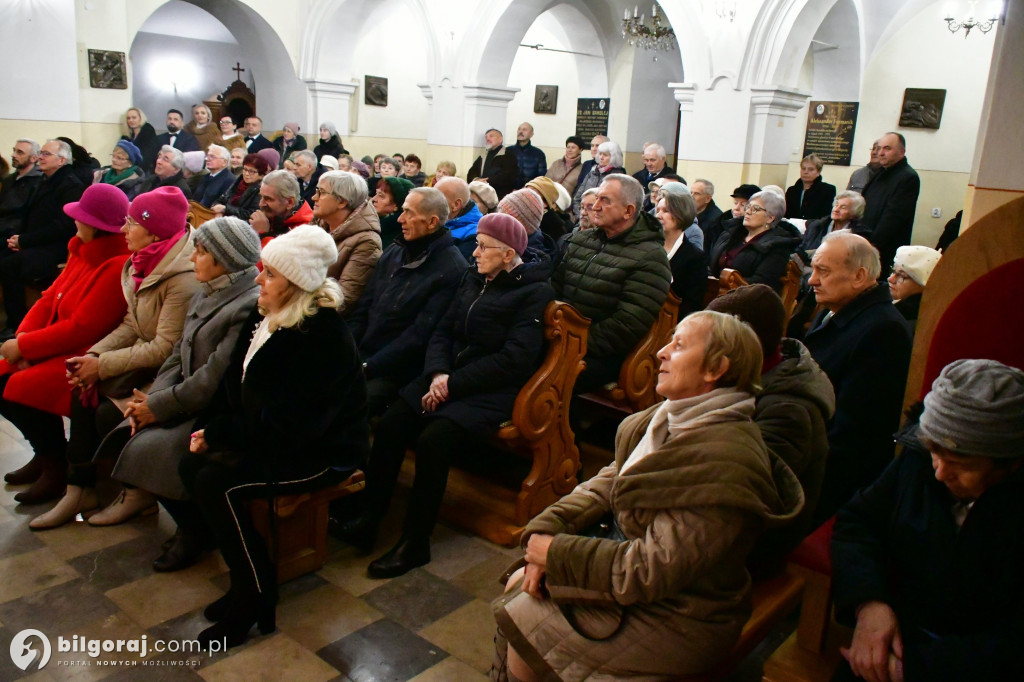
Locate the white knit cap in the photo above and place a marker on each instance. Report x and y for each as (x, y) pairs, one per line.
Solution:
(917, 261)
(564, 200)
(302, 256)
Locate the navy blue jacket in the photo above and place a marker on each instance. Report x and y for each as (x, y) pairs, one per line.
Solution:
(212, 187)
(532, 162)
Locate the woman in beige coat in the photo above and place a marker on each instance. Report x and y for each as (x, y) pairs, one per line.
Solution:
(340, 206)
(158, 283)
(664, 593)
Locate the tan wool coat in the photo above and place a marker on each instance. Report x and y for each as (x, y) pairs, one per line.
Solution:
(359, 249)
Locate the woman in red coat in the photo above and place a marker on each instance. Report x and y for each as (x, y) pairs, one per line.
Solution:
(79, 308)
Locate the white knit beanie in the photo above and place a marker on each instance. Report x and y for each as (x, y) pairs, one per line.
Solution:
(302, 256)
(917, 261)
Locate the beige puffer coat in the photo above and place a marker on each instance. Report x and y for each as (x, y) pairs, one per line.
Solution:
(359, 249)
(156, 314)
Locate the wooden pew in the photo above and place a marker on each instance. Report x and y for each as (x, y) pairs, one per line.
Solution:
(729, 279)
(199, 214)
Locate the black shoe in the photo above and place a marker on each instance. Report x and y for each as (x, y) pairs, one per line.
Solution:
(185, 552)
(29, 473)
(360, 532)
(234, 628)
(219, 610)
(169, 542)
(403, 557)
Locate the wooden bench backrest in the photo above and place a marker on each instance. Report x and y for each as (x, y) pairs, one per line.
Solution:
(639, 374)
(199, 214)
(791, 287)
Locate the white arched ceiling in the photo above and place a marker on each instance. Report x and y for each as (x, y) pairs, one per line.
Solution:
(835, 55)
(577, 34)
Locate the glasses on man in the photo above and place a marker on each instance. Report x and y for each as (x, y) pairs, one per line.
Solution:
(45, 154)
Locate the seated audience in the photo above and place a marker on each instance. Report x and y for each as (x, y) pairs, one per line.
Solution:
(33, 253)
(664, 593)
(862, 344)
(792, 412)
(810, 197)
(83, 165)
(168, 172)
(608, 161)
(595, 142)
(176, 137)
(565, 170)
(295, 387)
(484, 196)
(307, 171)
(910, 272)
(409, 292)
(281, 206)
(617, 275)
(124, 171)
(230, 138)
(463, 215)
(925, 559)
(390, 168)
(330, 163)
(703, 192)
(255, 142)
(388, 201)
(202, 127)
(343, 209)
(674, 188)
(740, 196)
(586, 208)
(555, 222)
(243, 199)
(487, 346)
(445, 169)
(194, 171)
(140, 133)
(847, 210)
(494, 166)
(527, 206)
(18, 186)
(655, 164)
(289, 141)
(676, 210)
(330, 142)
(237, 159)
(80, 308)
(759, 247)
(411, 170)
(218, 179)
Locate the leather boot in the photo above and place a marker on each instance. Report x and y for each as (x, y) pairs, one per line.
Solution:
(246, 609)
(130, 503)
(29, 473)
(75, 501)
(186, 550)
(408, 554)
(360, 532)
(50, 485)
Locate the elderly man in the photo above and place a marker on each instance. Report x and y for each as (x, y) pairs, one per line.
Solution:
(703, 192)
(617, 275)
(219, 178)
(19, 185)
(408, 293)
(860, 178)
(496, 166)
(891, 199)
(863, 345)
(531, 160)
(40, 244)
(307, 171)
(168, 172)
(281, 206)
(463, 214)
(587, 202)
(655, 165)
(176, 136)
(595, 142)
(254, 139)
(927, 560)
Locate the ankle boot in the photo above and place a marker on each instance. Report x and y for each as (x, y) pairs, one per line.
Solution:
(187, 549)
(130, 503)
(408, 554)
(50, 485)
(26, 474)
(76, 500)
(244, 612)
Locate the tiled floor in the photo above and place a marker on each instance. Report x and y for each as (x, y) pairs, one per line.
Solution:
(431, 624)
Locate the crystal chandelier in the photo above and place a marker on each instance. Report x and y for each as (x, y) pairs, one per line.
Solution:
(970, 23)
(654, 37)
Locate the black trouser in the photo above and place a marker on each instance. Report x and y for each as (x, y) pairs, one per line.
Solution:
(89, 426)
(380, 393)
(435, 440)
(220, 490)
(43, 430)
(19, 269)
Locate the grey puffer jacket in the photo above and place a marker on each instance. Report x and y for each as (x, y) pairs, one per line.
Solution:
(619, 283)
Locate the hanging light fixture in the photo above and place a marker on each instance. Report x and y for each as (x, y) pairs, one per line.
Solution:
(970, 23)
(657, 36)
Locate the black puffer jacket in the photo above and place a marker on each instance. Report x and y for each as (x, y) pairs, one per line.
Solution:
(762, 261)
(619, 283)
(246, 205)
(490, 343)
(410, 291)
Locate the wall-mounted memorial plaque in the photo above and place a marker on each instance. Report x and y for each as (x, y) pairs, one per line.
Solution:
(830, 128)
(922, 108)
(376, 91)
(592, 117)
(545, 101)
(106, 70)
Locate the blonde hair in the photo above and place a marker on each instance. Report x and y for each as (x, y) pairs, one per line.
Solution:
(124, 122)
(302, 304)
(729, 337)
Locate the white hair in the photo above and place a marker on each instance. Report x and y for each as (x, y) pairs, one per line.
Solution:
(614, 151)
(348, 186)
(32, 144)
(220, 151)
(178, 159)
(658, 149)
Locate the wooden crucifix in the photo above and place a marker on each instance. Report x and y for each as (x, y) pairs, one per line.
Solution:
(238, 71)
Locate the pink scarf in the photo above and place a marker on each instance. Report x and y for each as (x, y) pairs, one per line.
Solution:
(146, 260)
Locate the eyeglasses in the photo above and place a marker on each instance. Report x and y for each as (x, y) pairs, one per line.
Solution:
(250, 170)
(899, 277)
(46, 154)
(323, 193)
(485, 246)
(754, 208)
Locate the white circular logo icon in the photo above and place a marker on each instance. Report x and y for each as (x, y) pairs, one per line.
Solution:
(22, 654)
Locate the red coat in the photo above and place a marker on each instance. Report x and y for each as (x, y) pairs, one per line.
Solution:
(304, 216)
(82, 306)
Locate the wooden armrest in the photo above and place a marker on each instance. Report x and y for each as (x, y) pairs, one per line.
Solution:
(730, 279)
(639, 374)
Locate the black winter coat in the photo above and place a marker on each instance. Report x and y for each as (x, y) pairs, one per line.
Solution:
(817, 229)
(301, 406)
(502, 171)
(531, 161)
(957, 593)
(891, 199)
(332, 147)
(403, 303)
(14, 199)
(490, 342)
(297, 145)
(762, 261)
(246, 205)
(708, 216)
(715, 228)
(689, 277)
(45, 225)
(865, 351)
(152, 182)
(817, 201)
(145, 140)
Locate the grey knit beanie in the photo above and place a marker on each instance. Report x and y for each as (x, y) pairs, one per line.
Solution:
(231, 241)
(976, 407)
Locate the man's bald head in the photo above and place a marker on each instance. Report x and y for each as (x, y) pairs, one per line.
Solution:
(456, 191)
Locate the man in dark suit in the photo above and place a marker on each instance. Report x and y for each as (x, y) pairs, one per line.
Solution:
(219, 178)
(175, 136)
(496, 166)
(891, 198)
(254, 140)
(704, 196)
(655, 165)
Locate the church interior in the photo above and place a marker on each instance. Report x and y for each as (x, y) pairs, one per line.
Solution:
(730, 100)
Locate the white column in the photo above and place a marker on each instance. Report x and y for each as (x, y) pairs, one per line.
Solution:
(686, 95)
(460, 115)
(772, 118)
(332, 101)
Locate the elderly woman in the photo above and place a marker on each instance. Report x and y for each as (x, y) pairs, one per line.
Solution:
(244, 196)
(330, 142)
(677, 211)
(608, 161)
(203, 127)
(390, 167)
(387, 202)
(125, 169)
(411, 170)
(293, 420)
(911, 269)
(289, 141)
(485, 348)
(76, 311)
(140, 133)
(847, 210)
(566, 170)
(158, 283)
(341, 207)
(760, 246)
(809, 197)
(664, 593)
(445, 169)
(484, 196)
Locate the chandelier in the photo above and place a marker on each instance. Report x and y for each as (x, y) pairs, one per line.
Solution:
(970, 23)
(655, 37)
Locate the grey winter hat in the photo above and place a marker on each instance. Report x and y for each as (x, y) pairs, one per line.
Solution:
(976, 407)
(231, 241)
